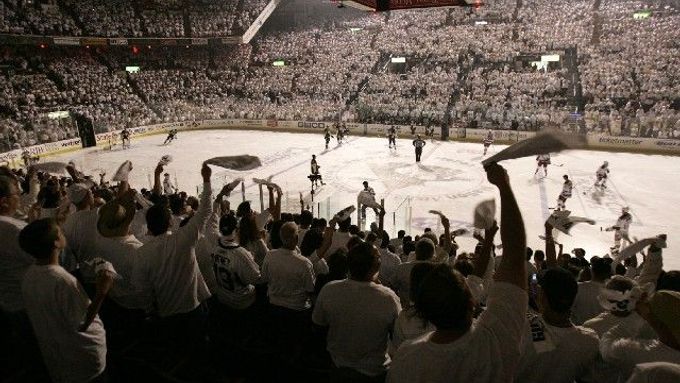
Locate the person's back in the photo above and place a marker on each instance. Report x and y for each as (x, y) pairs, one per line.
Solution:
(557, 354)
(586, 305)
(458, 350)
(359, 315)
(235, 274)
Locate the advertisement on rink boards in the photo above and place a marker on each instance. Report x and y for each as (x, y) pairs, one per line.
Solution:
(634, 143)
(498, 135)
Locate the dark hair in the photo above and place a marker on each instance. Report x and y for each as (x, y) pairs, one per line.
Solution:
(464, 266)
(539, 255)
(177, 203)
(669, 280)
(228, 223)
(5, 185)
(371, 237)
(311, 242)
(193, 202)
(418, 273)
(275, 234)
(243, 209)
(158, 219)
(306, 218)
(247, 230)
(344, 225)
(354, 229)
(560, 288)
(385, 240)
(444, 299)
(38, 237)
(105, 194)
(361, 260)
(600, 268)
(401, 234)
(424, 249)
(337, 264)
(530, 252)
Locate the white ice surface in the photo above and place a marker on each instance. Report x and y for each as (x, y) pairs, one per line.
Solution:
(450, 178)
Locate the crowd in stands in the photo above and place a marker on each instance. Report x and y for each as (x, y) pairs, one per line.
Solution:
(103, 282)
(619, 76)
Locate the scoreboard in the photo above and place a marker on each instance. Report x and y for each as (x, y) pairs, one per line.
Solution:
(387, 5)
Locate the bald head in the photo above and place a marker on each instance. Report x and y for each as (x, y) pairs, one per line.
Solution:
(289, 235)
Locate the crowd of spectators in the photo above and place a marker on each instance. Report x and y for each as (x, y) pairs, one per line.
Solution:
(101, 281)
(457, 69)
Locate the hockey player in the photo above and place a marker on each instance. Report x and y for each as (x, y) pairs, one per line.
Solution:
(602, 174)
(28, 159)
(488, 141)
(327, 137)
(315, 177)
(172, 134)
(567, 188)
(543, 160)
(367, 199)
(620, 229)
(339, 134)
(418, 143)
(392, 137)
(125, 138)
(413, 130)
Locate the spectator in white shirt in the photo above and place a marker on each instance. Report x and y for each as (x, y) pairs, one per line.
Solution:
(69, 332)
(14, 262)
(168, 268)
(624, 348)
(290, 279)
(360, 315)
(586, 304)
(114, 243)
(554, 349)
(409, 324)
(402, 276)
(457, 350)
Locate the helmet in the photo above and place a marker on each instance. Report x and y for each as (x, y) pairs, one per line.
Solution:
(625, 209)
(606, 163)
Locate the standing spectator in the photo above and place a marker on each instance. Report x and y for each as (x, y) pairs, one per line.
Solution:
(458, 351)
(168, 268)
(69, 332)
(360, 315)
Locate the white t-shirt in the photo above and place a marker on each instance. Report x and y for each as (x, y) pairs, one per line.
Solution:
(401, 281)
(586, 306)
(656, 373)
(80, 231)
(235, 274)
(623, 348)
(388, 265)
(487, 353)
(167, 265)
(340, 240)
(122, 253)
(556, 354)
(360, 317)
(290, 279)
(13, 264)
(408, 326)
(56, 305)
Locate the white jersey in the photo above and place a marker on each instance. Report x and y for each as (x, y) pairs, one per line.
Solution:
(543, 158)
(602, 172)
(235, 273)
(624, 221)
(567, 189)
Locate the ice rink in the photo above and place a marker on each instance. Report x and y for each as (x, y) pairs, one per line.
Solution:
(450, 178)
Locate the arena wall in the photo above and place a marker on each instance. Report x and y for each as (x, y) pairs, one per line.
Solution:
(104, 140)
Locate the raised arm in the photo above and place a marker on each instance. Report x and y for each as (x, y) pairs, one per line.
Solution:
(191, 231)
(550, 255)
(157, 186)
(481, 263)
(513, 265)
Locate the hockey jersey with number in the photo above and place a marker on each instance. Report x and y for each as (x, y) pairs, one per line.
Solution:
(235, 274)
(624, 221)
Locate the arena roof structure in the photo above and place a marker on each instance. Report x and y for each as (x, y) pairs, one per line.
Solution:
(387, 5)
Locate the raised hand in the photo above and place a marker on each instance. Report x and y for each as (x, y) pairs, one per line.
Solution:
(497, 175)
(206, 172)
